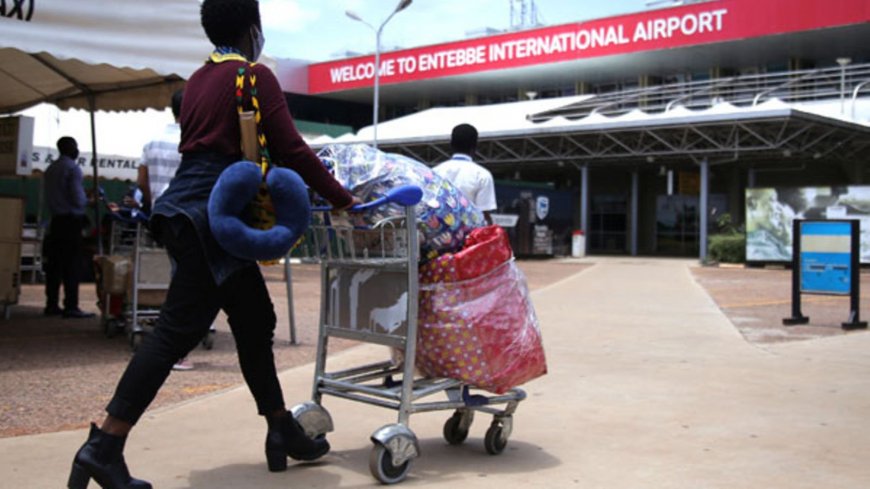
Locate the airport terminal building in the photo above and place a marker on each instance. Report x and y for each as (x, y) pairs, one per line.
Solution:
(640, 130)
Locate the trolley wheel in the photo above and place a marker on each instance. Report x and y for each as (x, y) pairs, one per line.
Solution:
(109, 328)
(382, 467)
(495, 441)
(136, 338)
(453, 432)
(208, 341)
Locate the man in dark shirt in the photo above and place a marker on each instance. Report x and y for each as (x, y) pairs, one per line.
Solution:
(65, 198)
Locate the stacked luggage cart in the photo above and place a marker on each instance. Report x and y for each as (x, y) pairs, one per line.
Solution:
(132, 280)
(369, 293)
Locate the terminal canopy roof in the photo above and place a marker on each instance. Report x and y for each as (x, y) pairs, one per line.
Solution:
(794, 115)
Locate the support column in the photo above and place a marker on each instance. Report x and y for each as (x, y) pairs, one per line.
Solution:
(750, 178)
(703, 208)
(635, 199)
(584, 200)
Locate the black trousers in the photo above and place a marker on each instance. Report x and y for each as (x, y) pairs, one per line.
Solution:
(63, 250)
(191, 305)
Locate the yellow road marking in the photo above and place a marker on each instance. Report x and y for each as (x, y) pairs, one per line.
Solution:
(816, 300)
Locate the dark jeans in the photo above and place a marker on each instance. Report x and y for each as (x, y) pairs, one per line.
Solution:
(63, 251)
(191, 305)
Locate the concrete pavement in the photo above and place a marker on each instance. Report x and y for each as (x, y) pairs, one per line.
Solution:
(650, 386)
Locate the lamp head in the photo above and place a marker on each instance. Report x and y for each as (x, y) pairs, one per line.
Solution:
(353, 15)
(403, 4)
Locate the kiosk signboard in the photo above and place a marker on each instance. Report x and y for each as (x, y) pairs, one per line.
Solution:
(826, 257)
(825, 261)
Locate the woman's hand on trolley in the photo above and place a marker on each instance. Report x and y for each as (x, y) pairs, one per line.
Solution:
(349, 207)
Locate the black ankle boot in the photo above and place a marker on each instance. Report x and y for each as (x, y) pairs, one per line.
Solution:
(287, 438)
(102, 458)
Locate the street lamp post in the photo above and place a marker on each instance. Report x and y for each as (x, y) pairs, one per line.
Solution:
(403, 4)
(843, 62)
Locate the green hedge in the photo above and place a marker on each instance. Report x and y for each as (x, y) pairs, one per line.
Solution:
(727, 248)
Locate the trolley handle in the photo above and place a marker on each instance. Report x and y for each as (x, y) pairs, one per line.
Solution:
(141, 216)
(406, 196)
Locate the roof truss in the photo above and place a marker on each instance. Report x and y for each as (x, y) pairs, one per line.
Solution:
(795, 135)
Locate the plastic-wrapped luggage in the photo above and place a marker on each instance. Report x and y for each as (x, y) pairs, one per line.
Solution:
(477, 322)
(445, 215)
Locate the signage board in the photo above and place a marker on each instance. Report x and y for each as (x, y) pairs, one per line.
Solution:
(111, 166)
(682, 26)
(16, 145)
(366, 300)
(826, 257)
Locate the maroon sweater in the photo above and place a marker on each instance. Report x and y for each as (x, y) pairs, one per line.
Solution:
(210, 124)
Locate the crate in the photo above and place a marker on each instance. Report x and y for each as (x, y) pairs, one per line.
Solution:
(10, 273)
(12, 210)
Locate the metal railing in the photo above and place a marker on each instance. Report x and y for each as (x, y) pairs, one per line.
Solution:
(742, 91)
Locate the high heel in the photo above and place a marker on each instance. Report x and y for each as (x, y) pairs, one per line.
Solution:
(286, 437)
(101, 458)
(78, 477)
(276, 459)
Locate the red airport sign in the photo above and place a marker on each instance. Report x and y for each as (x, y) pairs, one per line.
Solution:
(704, 23)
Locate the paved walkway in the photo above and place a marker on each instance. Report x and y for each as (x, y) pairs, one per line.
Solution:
(649, 387)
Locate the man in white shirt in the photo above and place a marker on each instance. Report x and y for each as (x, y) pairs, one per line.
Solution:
(472, 179)
(160, 159)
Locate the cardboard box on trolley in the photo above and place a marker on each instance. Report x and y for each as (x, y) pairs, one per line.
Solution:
(116, 276)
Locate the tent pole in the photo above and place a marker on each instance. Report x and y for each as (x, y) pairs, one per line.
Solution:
(92, 104)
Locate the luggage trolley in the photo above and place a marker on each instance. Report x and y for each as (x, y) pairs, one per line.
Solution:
(369, 293)
(133, 290)
(145, 272)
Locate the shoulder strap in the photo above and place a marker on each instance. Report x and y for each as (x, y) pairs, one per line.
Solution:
(263, 146)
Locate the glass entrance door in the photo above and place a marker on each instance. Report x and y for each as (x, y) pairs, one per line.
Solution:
(609, 224)
(677, 222)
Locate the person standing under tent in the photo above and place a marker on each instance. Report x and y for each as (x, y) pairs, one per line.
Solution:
(473, 180)
(66, 201)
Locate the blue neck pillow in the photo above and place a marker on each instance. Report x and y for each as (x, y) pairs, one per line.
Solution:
(235, 189)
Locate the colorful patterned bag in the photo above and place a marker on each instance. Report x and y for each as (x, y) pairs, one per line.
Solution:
(445, 216)
(476, 320)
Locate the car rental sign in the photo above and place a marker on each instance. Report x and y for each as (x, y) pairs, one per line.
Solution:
(717, 21)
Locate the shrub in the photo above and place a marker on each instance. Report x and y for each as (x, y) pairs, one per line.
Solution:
(727, 248)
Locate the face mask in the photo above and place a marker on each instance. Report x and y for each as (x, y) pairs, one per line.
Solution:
(257, 42)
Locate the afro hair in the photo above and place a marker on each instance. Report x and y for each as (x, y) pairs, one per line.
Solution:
(226, 21)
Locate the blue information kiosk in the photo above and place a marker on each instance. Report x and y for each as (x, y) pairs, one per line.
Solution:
(826, 261)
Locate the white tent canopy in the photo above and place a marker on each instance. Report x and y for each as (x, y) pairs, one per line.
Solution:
(126, 54)
(97, 55)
